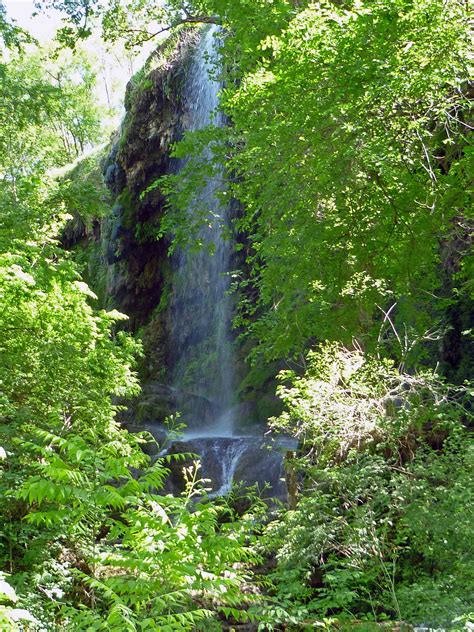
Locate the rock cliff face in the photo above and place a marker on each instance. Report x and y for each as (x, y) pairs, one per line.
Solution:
(136, 259)
(127, 262)
(138, 267)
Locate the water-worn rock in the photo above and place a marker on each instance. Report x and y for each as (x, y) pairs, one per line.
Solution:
(227, 460)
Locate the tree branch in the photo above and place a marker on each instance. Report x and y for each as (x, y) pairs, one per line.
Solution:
(189, 19)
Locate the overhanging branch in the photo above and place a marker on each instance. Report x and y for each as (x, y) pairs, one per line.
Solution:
(189, 19)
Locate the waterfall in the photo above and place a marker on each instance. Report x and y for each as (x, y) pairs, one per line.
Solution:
(203, 376)
(201, 309)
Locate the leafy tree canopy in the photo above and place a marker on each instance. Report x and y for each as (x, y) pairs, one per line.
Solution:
(349, 153)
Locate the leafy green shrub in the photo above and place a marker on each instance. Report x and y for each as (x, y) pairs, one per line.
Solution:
(86, 537)
(383, 525)
(9, 617)
(142, 561)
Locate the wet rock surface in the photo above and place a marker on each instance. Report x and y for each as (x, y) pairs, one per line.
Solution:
(224, 461)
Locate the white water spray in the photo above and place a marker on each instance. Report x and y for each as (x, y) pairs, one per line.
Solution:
(201, 308)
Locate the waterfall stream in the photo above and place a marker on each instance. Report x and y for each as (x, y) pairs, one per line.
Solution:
(201, 308)
(203, 360)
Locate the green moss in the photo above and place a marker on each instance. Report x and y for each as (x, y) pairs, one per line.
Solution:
(268, 405)
(166, 290)
(127, 204)
(125, 129)
(82, 189)
(160, 58)
(203, 362)
(257, 377)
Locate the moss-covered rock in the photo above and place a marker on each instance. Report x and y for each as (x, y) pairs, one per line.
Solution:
(117, 237)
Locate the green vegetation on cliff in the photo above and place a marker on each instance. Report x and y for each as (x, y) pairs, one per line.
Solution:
(348, 153)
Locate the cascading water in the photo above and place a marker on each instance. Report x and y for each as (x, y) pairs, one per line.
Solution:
(201, 309)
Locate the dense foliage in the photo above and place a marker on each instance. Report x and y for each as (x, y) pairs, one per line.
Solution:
(85, 542)
(348, 153)
(349, 145)
(383, 526)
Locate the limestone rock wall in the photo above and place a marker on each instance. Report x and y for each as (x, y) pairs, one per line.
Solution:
(136, 258)
(127, 264)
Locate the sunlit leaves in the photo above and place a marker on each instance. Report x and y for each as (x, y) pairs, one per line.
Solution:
(384, 458)
(340, 112)
(336, 158)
